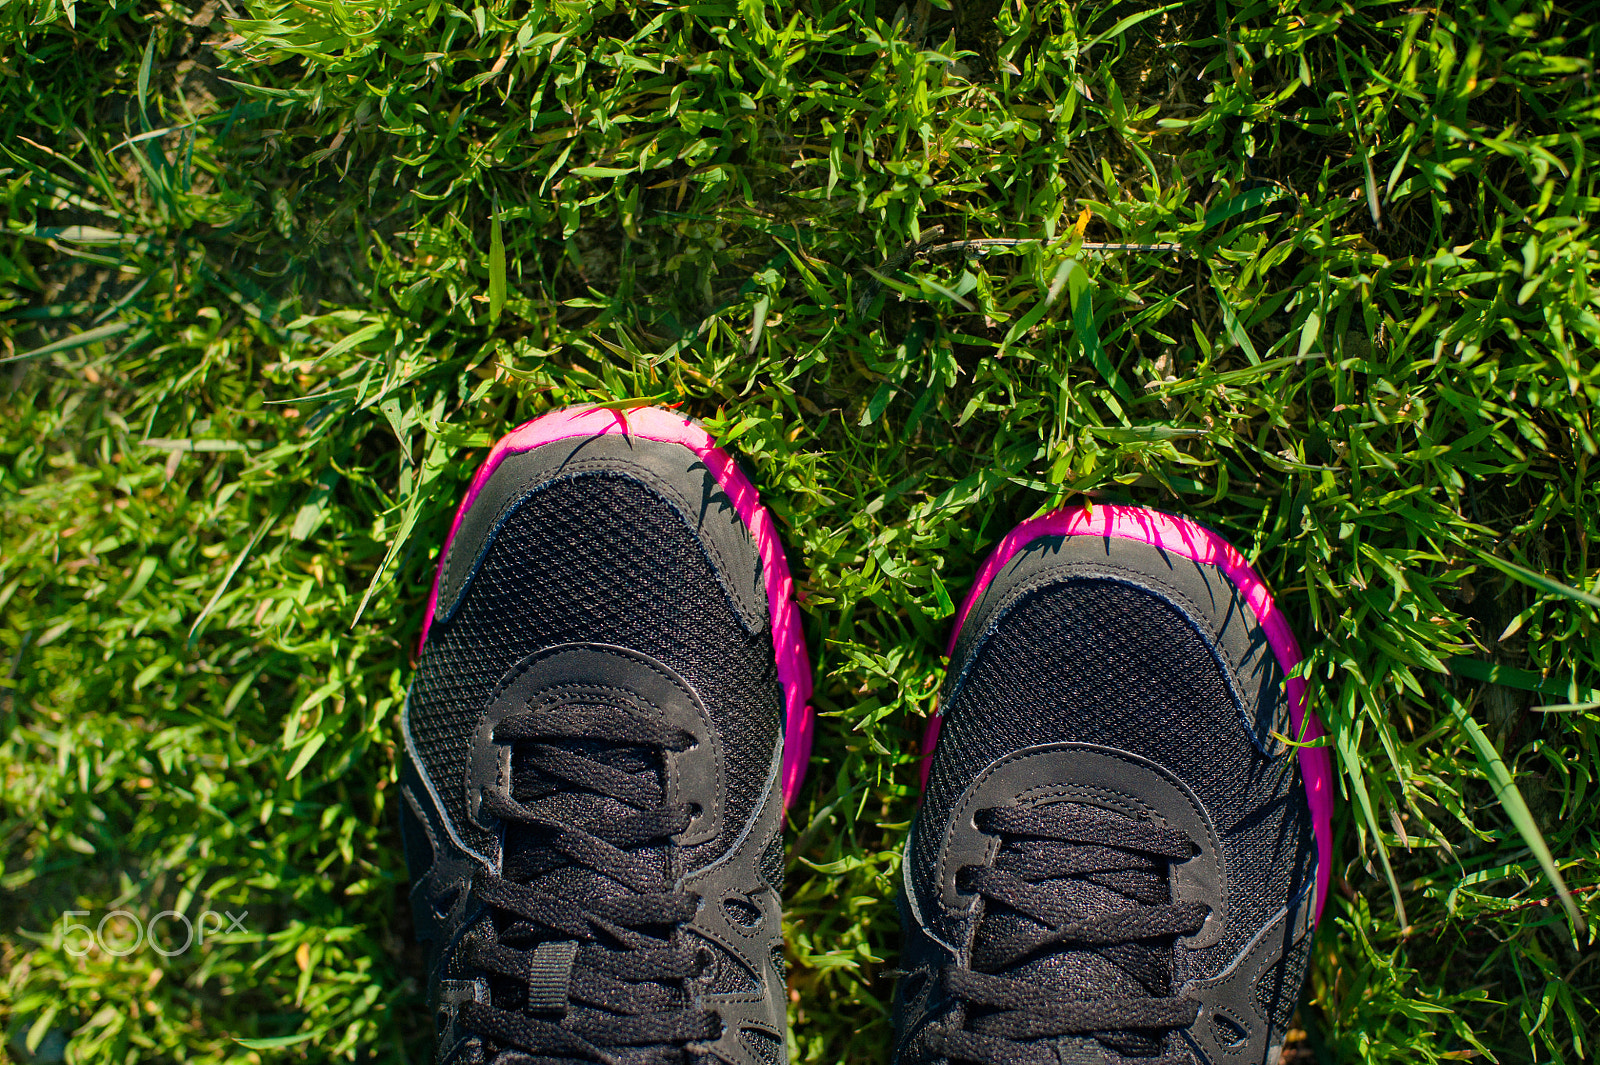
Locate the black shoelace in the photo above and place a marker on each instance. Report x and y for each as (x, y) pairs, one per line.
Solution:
(600, 954)
(1002, 1012)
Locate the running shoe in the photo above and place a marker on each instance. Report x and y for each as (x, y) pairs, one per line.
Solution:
(1118, 855)
(595, 764)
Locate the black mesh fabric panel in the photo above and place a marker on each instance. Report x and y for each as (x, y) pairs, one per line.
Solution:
(772, 864)
(1278, 993)
(766, 1049)
(728, 974)
(780, 961)
(597, 558)
(1097, 661)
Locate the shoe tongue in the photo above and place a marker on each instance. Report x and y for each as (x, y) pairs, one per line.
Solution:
(1084, 974)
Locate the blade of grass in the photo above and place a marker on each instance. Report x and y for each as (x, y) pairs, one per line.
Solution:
(497, 270)
(1527, 680)
(76, 340)
(1129, 23)
(1351, 758)
(144, 78)
(1547, 585)
(1511, 800)
(227, 578)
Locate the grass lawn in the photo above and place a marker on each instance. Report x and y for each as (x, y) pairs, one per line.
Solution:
(273, 274)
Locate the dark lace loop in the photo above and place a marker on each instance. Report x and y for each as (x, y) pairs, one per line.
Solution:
(529, 1033)
(1030, 1012)
(983, 989)
(603, 779)
(958, 1045)
(1050, 859)
(678, 963)
(1040, 822)
(560, 915)
(1151, 922)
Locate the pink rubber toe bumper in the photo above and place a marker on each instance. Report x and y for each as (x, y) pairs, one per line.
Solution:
(653, 423)
(1179, 536)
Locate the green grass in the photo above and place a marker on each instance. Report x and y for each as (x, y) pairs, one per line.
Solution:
(268, 287)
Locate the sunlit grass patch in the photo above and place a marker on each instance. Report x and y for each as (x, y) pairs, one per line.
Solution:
(269, 285)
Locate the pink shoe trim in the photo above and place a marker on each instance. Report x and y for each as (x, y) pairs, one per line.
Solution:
(653, 423)
(1180, 536)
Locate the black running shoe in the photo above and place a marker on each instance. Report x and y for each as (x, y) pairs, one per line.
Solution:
(595, 765)
(1117, 856)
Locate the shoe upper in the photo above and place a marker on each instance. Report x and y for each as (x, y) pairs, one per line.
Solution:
(1114, 857)
(590, 781)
